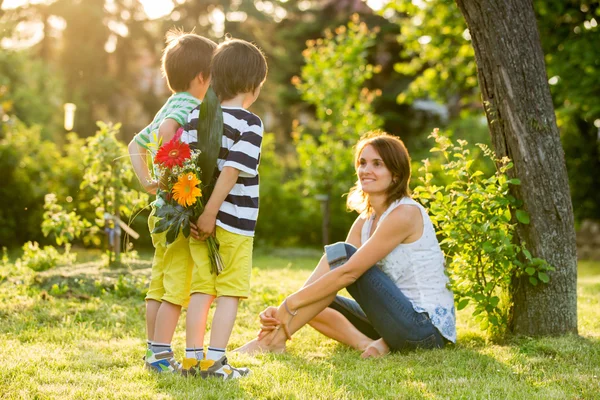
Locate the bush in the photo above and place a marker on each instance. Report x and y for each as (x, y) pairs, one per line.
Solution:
(476, 217)
(42, 259)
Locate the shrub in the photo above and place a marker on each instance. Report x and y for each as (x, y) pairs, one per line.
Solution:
(42, 259)
(476, 217)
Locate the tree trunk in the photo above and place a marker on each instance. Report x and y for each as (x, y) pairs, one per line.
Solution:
(520, 113)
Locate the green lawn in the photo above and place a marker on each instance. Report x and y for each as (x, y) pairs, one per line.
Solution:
(78, 332)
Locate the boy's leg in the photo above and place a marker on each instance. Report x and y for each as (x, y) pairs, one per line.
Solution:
(176, 280)
(223, 322)
(203, 294)
(195, 327)
(156, 289)
(152, 307)
(166, 322)
(231, 284)
(195, 324)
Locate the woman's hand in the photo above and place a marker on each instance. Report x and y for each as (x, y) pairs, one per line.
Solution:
(268, 321)
(272, 320)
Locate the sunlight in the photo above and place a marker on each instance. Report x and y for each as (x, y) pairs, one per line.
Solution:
(11, 4)
(156, 9)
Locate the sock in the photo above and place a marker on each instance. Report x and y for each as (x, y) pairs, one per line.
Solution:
(160, 347)
(214, 353)
(149, 343)
(194, 352)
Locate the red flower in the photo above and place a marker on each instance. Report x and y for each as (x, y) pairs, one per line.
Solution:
(172, 153)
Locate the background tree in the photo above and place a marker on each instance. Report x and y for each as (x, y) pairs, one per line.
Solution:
(437, 52)
(518, 105)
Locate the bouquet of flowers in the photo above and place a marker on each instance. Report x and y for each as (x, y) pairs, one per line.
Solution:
(187, 176)
(181, 193)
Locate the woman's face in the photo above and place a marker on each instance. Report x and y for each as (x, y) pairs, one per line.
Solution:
(372, 173)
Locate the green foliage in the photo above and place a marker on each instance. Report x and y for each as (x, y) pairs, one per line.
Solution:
(437, 51)
(432, 33)
(109, 178)
(32, 91)
(130, 286)
(475, 215)
(42, 259)
(286, 216)
(107, 185)
(210, 132)
(30, 168)
(333, 82)
(64, 226)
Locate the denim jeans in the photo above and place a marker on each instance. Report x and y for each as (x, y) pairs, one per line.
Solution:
(380, 309)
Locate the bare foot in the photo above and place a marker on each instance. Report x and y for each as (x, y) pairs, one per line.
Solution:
(259, 346)
(377, 348)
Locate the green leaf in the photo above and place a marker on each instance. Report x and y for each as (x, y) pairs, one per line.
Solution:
(210, 133)
(527, 253)
(173, 232)
(533, 281)
(543, 277)
(530, 270)
(476, 173)
(515, 181)
(522, 217)
(484, 324)
(494, 300)
(462, 304)
(488, 247)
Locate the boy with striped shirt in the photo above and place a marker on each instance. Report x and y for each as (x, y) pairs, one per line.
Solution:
(238, 70)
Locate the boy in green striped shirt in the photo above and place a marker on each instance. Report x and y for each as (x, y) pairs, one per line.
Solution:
(186, 65)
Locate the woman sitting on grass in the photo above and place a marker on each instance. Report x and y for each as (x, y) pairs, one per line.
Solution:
(391, 264)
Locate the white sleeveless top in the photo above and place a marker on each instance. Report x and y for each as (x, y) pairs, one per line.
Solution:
(417, 269)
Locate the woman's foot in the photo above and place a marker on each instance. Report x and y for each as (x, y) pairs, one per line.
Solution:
(377, 348)
(259, 346)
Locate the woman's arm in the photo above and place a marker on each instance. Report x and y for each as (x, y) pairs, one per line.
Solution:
(392, 231)
(268, 319)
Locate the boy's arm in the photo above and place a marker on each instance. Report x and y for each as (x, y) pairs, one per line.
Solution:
(137, 154)
(168, 129)
(205, 226)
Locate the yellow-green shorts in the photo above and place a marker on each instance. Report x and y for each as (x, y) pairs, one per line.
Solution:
(172, 268)
(234, 280)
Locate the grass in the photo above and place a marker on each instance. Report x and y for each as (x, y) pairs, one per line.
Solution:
(78, 332)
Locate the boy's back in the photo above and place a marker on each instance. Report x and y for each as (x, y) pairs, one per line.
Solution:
(177, 107)
(240, 149)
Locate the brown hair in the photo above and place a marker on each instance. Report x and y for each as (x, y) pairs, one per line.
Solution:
(237, 67)
(185, 56)
(396, 159)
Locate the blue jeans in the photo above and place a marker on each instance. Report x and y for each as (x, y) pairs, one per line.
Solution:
(381, 310)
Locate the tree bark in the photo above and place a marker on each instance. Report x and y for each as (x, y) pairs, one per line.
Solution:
(520, 113)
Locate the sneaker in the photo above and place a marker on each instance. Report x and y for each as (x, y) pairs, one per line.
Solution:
(191, 367)
(146, 357)
(162, 362)
(221, 369)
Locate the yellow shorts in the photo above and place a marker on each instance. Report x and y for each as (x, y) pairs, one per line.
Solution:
(172, 267)
(236, 252)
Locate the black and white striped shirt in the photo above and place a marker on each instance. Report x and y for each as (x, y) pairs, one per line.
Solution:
(240, 149)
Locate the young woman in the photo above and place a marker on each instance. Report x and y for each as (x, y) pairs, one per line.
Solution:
(391, 264)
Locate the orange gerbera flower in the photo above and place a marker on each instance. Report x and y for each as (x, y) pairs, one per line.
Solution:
(172, 153)
(186, 190)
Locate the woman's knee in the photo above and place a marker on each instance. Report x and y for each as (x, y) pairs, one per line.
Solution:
(338, 253)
